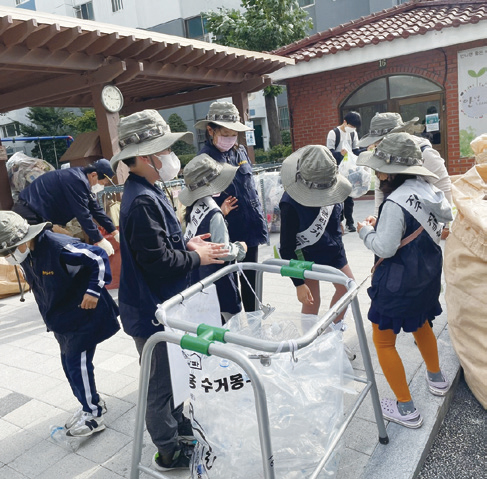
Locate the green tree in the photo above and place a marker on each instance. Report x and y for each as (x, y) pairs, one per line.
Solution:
(82, 123)
(262, 25)
(48, 122)
(177, 124)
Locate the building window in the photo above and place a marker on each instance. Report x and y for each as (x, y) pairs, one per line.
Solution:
(117, 5)
(196, 28)
(306, 3)
(84, 11)
(10, 130)
(410, 96)
(284, 118)
(18, 2)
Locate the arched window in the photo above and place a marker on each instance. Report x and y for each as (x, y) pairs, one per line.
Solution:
(408, 95)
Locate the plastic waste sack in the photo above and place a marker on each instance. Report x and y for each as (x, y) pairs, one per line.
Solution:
(23, 170)
(204, 308)
(479, 148)
(9, 284)
(465, 267)
(304, 396)
(359, 176)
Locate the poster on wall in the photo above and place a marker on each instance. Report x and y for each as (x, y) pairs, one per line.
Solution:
(249, 135)
(432, 122)
(472, 96)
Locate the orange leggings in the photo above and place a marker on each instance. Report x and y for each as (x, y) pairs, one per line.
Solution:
(391, 364)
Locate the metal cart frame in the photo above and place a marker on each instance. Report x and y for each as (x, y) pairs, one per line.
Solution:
(211, 341)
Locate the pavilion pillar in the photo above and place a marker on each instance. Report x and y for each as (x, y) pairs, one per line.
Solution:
(241, 101)
(107, 125)
(108, 131)
(6, 201)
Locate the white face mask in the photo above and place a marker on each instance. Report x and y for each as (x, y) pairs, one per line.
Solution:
(349, 129)
(17, 256)
(170, 166)
(97, 188)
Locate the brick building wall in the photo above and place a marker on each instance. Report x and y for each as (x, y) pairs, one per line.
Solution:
(314, 100)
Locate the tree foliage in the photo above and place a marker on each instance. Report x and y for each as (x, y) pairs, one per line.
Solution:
(47, 122)
(177, 124)
(82, 123)
(262, 26)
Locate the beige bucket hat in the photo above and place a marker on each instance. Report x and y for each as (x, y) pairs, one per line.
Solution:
(145, 133)
(225, 114)
(14, 231)
(384, 123)
(398, 153)
(205, 177)
(310, 177)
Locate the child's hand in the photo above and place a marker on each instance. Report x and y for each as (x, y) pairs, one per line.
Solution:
(197, 241)
(361, 225)
(89, 302)
(228, 205)
(304, 295)
(210, 253)
(371, 220)
(244, 245)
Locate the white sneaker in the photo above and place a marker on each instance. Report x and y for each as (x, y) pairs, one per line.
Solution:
(77, 415)
(87, 425)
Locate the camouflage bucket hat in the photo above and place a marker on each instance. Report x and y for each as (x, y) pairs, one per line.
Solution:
(205, 177)
(384, 123)
(14, 231)
(310, 177)
(225, 114)
(398, 153)
(145, 133)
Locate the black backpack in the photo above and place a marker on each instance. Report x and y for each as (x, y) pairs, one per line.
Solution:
(338, 136)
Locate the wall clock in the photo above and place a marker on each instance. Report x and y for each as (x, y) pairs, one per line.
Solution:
(111, 98)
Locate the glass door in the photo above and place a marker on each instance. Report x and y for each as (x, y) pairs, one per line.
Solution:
(429, 106)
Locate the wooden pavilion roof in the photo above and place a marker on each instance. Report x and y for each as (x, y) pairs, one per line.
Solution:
(50, 60)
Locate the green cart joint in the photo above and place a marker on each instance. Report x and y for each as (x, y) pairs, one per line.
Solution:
(296, 268)
(206, 335)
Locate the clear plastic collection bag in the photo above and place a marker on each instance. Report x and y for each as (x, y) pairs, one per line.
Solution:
(305, 401)
(270, 189)
(359, 176)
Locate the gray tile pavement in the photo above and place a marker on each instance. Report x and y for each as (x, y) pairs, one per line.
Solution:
(35, 395)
